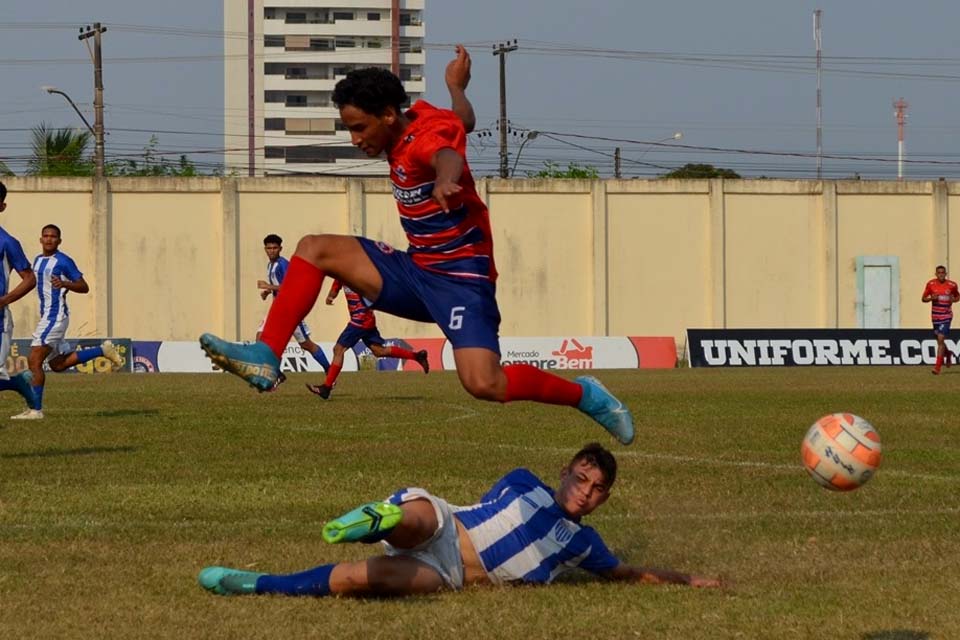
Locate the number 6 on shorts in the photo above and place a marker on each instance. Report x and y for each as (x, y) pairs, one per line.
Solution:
(456, 318)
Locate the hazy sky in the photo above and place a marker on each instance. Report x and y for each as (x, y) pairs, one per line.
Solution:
(737, 74)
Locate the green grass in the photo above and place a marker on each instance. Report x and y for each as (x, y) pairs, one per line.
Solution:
(110, 506)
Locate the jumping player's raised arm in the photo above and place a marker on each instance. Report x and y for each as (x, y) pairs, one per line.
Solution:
(457, 77)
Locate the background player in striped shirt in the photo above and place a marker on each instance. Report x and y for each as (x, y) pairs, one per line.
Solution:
(277, 267)
(57, 274)
(941, 294)
(447, 275)
(12, 258)
(521, 531)
(362, 326)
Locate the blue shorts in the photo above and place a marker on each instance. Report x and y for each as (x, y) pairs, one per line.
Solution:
(465, 309)
(353, 334)
(942, 328)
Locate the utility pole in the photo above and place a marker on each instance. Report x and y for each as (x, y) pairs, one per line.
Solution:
(818, 41)
(616, 162)
(95, 32)
(901, 113)
(502, 50)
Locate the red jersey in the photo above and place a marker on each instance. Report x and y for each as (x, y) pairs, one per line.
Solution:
(360, 314)
(458, 243)
(944, 294)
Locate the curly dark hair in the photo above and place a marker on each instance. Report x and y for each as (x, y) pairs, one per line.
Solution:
(371, 90)
(3, 192)
(597, 456)
(272, 239)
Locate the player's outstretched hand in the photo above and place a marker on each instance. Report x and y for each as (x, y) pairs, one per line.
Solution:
(264, 294)
(457, 75)
(442, 192)
(704, 583)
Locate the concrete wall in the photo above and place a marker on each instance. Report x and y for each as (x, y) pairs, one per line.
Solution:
(171, 258)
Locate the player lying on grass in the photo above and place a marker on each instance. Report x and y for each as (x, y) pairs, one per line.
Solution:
(362, 326)
(521, 531)
(447, 276)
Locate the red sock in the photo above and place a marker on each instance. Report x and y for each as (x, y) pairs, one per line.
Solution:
(939, 362)
(332, 374)
(298, 292)
(400, 352)
(526, 382)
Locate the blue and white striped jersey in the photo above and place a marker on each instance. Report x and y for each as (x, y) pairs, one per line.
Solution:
(276, 271)
(53, 302)
(522, 535)
(12, 257)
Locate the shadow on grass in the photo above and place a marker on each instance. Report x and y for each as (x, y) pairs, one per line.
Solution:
(897, 634)
(53, 453)
(123, 413)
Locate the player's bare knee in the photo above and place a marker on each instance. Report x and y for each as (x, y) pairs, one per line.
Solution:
(380, 352)
(312, 247)
(482, 387)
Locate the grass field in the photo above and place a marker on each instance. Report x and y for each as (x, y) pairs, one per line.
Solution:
(110, 506)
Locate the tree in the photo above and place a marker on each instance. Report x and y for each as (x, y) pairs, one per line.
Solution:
(153, 164)
(700, 171)
(59, 152)
(572, 172)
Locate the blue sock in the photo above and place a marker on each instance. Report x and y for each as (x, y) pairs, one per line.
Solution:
(89, 354)
(312, 582)
(38, 391)
(320, 357)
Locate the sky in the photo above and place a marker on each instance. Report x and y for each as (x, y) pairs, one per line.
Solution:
(736, 78)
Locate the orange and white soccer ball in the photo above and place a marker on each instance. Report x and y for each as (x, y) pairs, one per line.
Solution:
(841, 451)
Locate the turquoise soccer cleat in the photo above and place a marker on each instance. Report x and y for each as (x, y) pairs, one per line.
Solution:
(371, 522)
(602, 406)
(255, 362)
(225, 581)
(24, 386)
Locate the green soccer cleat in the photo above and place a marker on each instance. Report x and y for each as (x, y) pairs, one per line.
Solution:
(225, 581)
(602, 406)
(255, 362)
(371, 522)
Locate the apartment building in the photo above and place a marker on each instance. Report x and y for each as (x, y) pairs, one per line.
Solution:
(282, 60)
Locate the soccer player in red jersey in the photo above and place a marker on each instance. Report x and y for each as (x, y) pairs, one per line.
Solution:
(362, 326)
(446, 276)
(941, 293)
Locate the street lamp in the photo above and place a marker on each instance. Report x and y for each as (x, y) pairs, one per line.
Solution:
(531, 135)
(676, 136)
(98, 155)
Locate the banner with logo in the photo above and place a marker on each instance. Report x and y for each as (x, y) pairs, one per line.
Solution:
(573, 353)
(813, 347)
(20, 350)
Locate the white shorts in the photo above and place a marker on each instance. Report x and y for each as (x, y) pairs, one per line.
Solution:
(52, 334)
(6, 331)
(300, 334)
(442, 550)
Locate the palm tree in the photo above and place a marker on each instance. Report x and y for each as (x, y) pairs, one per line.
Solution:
(59, 152)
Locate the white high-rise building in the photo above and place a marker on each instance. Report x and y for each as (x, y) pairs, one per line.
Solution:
(282, 60)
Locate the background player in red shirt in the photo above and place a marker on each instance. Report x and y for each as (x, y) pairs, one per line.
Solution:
(446, 276)
(362, 326)
(941, 293)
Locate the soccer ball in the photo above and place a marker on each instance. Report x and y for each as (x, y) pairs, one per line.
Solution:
(841, 451)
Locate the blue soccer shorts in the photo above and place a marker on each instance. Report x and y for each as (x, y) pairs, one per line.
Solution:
(465, 309)
(353, 334)
(942, 327)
